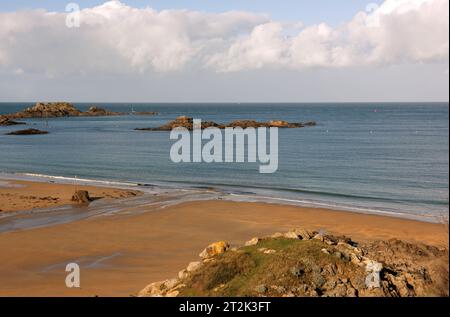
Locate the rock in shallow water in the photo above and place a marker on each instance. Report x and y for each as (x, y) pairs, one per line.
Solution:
(27, 132)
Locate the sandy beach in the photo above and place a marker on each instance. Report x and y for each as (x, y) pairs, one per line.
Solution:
(121, 254)
(16, 195)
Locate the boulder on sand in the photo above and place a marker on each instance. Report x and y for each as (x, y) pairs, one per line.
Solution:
(81, 197)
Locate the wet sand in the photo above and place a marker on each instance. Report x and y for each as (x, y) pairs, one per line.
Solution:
(16, 195)
(121, 254)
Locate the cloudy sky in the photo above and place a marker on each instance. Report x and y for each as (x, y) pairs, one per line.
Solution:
(233, 51)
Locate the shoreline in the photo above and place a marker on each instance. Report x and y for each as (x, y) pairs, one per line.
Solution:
(225, 192)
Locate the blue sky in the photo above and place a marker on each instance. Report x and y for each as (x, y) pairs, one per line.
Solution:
(307, 11)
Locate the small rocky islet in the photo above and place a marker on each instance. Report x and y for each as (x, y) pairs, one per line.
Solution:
(64, 109)
(188, 123)
(57, 110)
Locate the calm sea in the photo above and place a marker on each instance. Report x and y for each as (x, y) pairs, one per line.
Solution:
(367, 157)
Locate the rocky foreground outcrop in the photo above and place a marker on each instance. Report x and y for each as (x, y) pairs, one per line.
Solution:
(27, 132)
(64, 109)
(8, 122)
(305, 263)
(187, 122)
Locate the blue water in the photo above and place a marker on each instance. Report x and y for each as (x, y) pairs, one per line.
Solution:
(385, 157)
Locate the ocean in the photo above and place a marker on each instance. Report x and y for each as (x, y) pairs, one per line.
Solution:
(368, 157)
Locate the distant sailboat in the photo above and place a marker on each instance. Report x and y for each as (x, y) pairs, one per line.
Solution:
(132, 110)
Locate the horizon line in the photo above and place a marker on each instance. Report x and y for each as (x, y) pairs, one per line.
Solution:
(229, 102)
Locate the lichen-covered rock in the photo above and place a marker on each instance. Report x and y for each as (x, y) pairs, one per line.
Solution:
(261, 289)
(290, 235)
(304, 234)
(214, 249)
(183, 274)
(174, 293)
(167, 288)
(319, 237)
(153, 289)
(171, 283)
(276, 235)
(193, 266)
(251, 242)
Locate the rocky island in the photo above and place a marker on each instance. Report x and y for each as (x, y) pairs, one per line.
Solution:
(65, 109)
(187, 122)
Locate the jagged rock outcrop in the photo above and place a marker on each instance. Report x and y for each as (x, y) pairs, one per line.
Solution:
(308, 263)
(27, 132)
(187, 122)
(8, 122)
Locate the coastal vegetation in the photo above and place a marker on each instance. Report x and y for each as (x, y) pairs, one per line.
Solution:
(303, 263)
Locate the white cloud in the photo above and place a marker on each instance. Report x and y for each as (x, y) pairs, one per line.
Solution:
(399, 31)
(116, 38)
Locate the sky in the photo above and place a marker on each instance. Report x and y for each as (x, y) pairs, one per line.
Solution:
(225, 51)
(310, 11)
